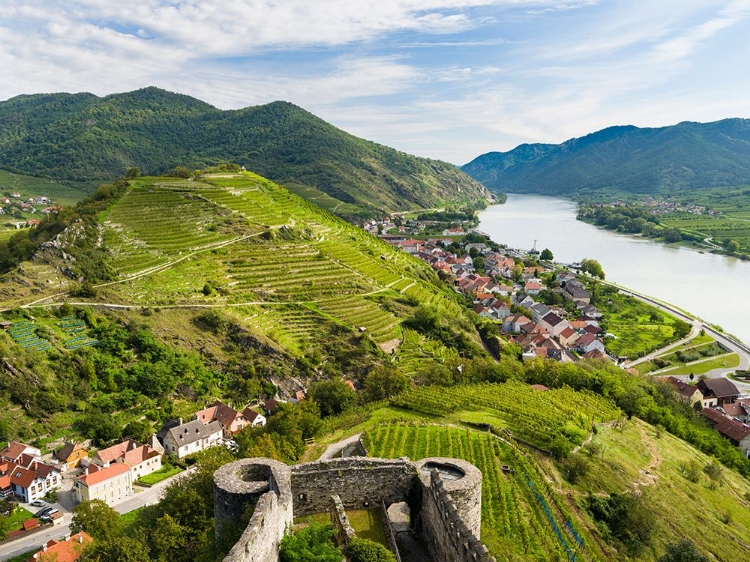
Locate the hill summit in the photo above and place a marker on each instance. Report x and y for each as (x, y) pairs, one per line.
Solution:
(82, 137)
(640, 160)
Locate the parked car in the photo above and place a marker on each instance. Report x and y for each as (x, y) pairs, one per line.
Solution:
(47, 517)
(38, 503)
(44, 511)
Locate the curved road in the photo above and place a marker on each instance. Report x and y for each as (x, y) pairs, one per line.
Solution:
(739, 348)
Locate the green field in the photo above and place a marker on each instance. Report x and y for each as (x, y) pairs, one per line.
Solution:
(732, 224)
(637, 327)
(29, 186)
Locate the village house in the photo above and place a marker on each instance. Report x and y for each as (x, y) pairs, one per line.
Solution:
(553, 324)
(141, 459)
(737, 432)
(33, 483)
(514, 322)
(232, 421)
(191, 437)
(717, 392)
(589, 342)
(568, 337)
(532, 287)
(109, 484)
(71, 455)
(67, 550)
(689, 392)
(15, 450)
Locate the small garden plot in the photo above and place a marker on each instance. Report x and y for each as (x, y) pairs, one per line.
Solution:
(24, 334)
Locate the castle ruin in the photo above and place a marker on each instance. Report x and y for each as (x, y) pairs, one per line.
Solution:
(444, 498)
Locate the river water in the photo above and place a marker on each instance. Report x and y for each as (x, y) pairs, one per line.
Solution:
(713, 287)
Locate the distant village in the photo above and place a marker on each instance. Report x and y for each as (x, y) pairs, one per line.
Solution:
(658, 206)
(17, 207)
(503, 289)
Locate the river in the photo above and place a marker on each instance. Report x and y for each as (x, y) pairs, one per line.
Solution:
(713, 287)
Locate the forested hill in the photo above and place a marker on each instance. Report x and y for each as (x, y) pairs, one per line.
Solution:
(82, 137)
(679, 157)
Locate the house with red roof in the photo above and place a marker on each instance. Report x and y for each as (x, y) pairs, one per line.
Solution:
(231, 421)
(109, 484)
(15, 450)
(141, 459)
(67, 550)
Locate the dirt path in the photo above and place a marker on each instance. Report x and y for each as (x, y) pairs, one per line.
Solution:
(648, 476)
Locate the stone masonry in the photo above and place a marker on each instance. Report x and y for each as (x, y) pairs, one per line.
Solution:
(448, 515)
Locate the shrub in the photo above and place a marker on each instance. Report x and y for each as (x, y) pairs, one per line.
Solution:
(365, 550)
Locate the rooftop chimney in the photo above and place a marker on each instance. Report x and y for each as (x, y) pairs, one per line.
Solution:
(80, 538)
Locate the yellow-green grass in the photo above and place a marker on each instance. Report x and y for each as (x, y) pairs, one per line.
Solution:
(15, 519)
(162, 474)
(634, 458)
(728, 361)
(367, 524)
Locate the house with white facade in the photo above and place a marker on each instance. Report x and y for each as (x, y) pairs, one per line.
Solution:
(109, 484)
(192, 437)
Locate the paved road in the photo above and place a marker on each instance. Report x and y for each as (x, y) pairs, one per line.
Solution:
(740, 349)
(147, 496)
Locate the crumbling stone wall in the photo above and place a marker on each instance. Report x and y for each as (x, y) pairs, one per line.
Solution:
(265, 483)
(342, 529)
(360, 482)
(449, 518)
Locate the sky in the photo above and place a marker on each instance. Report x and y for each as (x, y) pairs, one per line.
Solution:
(446, 79)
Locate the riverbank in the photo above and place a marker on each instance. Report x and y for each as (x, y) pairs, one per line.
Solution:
(709, 286)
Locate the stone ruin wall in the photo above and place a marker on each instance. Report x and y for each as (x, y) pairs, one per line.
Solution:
(360, 482)
(449, 519)
(267, 484)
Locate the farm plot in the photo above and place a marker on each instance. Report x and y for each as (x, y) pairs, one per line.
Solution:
(24, 334)
(76, 328)
(568, 414)
(416, 349)
(293, 272)
(514, 526)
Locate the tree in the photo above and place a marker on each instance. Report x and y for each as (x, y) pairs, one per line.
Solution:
(385, 381)
(121, 549)
(592, 267)
(733, 246)
(365, 550)
(546, 255)
(133, 173)
(682, 551)
(333, 397)
(314, 543)
(672, 235)
(97, 519)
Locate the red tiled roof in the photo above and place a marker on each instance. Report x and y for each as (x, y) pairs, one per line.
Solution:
(13, 451)
(29, 524)
(104, 474)
(63, 551)
(111, 454)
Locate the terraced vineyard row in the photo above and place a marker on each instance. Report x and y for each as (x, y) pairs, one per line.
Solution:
(414, 349)
(361, 313)
(291, 326)
(539, 417)
(514, 526)
(149, 225)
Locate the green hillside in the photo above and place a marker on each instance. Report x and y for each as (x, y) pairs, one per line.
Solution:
(631, 159)
(81, 137)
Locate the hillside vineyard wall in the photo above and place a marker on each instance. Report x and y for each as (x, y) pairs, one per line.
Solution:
(450, 525)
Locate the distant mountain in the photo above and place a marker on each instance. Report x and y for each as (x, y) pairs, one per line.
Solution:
(82, 137)
(684, 156)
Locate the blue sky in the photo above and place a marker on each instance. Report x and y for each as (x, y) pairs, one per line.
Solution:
(447, 79)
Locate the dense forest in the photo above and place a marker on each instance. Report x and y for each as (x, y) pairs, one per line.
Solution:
(81, 137)
(631, 159)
